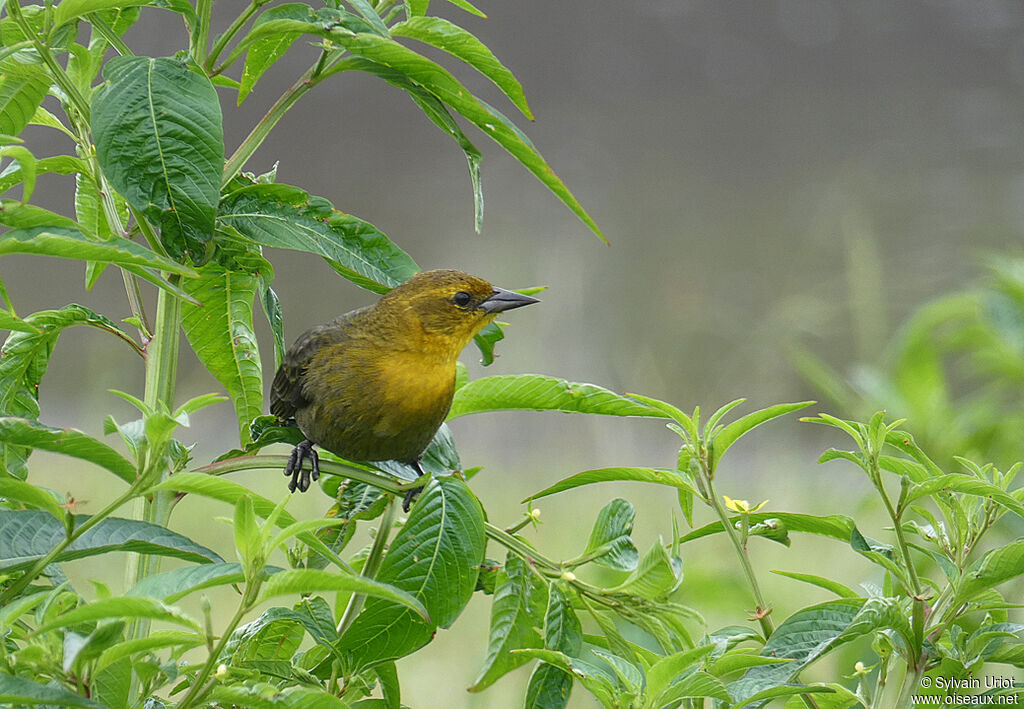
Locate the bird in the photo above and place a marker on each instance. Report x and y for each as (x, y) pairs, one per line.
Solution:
(376, 383)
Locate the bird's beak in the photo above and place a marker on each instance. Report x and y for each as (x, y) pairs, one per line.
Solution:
(503, 300)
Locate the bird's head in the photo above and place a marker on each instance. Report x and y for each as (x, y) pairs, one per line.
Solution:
(451, 305)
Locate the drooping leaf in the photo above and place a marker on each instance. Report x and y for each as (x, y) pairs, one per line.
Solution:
(24, 358)
(159, 140)
(658, 476)
(66, 441)
(22, 89)
(222, 336)
(517, 615)
(449, 37)
(550, 686)
(535, 392)
(15, 490)
(56, 165)
(288, 218)
(435, 557)
(28, 535)
(262, 53)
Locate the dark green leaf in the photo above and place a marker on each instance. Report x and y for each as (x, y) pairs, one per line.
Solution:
(803, 637)
(66, 441)
(612, 531)
(535, 392)
(517, 614)
(289, 218)
(222, 336)
(28, 535)
(157, 127)
(264, 52)
(68, 10)
(435, 557)
(995, 567)
(655, 577)
(485, 341)
(17, 691)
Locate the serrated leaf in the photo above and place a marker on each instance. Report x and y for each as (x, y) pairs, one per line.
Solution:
(658, 476)
(449, 37)
(28, 535)
(159, 140)
(222, 336)
(803, 637)
(435, 557)
(22, 90)
(535, 392)
(517, 614)
(288, 218)
(612, 531)
(66, 441)
(16, 691)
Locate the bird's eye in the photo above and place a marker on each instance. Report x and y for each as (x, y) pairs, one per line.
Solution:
(461, 299)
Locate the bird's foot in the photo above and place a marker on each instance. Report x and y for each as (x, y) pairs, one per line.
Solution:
(410, 495)
(300, 478)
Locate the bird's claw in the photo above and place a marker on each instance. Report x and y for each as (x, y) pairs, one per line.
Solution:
(410, 495)
(300, 477)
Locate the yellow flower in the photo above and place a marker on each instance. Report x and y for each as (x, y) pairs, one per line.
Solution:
(742, 506)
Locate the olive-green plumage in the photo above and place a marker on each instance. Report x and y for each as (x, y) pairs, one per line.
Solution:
(376, 383)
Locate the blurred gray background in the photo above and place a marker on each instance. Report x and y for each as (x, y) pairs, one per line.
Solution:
(768, 173)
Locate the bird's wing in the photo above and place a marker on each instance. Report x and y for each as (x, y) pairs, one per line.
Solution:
(286, 392)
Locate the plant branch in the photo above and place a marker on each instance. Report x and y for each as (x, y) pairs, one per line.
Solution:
(265, 462)
(204, 9)
(108, 34)
(222, 42)
(370, 567)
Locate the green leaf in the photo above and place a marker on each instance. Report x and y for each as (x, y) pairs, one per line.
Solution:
(665, 671)
(835, 526)
(121, 607)
(783, 690)
(535, 392)
(37, 232)
(222, 336)
(28, 535)
(446, 36)
(659, 476)
(262, 695)
(730, 433)
(828, 584)
(550, 686)
(57, 165)
(656, 576)
(169, 586)
(159, 140)
(438, 81)
(288, 218)
(967, 484)
(26, 162)
(17, 691)
(16, 490)
(261, 54)
(803, 637)
(485, 341)
(435, 557)
(597, 680)
(23, 362)
(465, 6)
(995, 567)
(517, 614)
(881, 554)
(612, 531)
(69, 10)
(267, 644)
(306, 581)
(22, 90)
(14, 323)
(66, 441)
(697, 684)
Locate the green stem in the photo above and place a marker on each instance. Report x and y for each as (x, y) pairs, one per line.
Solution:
(58, 73)
(876, 478)
(204, 9)
(767, 627)
(199, 686)
(262, 129)
(909, 686)
(29, 576)
(231, 31)
(521, 549)
(370, 568)
(108, 34)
